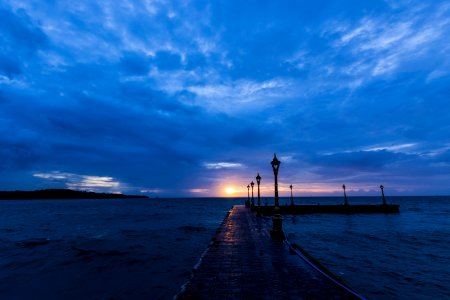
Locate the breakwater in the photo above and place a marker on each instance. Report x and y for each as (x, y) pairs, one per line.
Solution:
(328, 209)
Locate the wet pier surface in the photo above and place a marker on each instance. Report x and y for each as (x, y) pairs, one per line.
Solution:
(243, 262)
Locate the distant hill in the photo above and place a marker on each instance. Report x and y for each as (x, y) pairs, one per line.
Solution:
(60, 194)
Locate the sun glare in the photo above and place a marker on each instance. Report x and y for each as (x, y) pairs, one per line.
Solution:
(229, 191)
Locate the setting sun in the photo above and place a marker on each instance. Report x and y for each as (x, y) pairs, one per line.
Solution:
(229, 191)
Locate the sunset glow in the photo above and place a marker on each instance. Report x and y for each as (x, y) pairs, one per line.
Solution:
(229, 191)
(190, 92)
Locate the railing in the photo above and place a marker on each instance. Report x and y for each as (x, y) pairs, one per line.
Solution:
(318, 267)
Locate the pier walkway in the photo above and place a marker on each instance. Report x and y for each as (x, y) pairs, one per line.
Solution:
(243, 262)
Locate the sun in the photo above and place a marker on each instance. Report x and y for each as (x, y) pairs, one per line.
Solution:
(229, 191)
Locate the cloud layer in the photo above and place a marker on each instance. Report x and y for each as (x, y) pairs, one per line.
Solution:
(185, 98)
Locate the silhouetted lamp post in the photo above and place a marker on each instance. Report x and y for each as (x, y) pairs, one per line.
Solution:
(345, 195)
(247, 204)
(292, 197)
(275, 166)
(253, 199)
(277, 230)
(258, 181)
(382, 193)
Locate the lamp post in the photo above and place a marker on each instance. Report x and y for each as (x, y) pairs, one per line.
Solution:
(253, 199)
(277, 230)
(345, 195)
(247, 203)
(292, 198)
(382, 193)
(258, 181)
(275, 166)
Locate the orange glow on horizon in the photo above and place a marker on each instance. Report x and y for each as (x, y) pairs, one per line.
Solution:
(234, 186)
(267, 190)
(230, 191)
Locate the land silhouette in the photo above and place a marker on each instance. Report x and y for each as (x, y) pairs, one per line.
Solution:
(61, 194)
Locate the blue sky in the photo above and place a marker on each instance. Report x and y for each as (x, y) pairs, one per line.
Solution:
(188, 98)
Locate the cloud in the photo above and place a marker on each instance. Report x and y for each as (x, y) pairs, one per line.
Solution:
(197, 191)
(393, 148)
(134, 63)
(383, 44)
(166, 60)
(222, 165)
(82, 182)
(21, 39)
(242, 95)
(141, 90)
(361, 160)
(151, 191)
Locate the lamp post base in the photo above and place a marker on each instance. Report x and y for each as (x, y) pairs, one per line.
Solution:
(258, 211)
(277, 231)
(277, 235)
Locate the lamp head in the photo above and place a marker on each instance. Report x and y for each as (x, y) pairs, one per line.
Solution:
(258, 178)
(275, 163)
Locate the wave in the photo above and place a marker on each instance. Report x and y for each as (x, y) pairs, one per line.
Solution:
(31, 243)
(190, 228)
(92, 252)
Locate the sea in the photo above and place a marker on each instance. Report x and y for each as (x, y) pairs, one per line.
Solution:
(146, 248)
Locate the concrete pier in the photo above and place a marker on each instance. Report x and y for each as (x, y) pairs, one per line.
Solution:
(243, 262)
(331, 209)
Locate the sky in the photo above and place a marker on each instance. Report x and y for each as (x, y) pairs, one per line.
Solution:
(193, 98)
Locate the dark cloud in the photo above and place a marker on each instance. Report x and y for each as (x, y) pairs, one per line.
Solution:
(135, 63)
(360, 160)
(166, 60)
(17, 156)
(20, 38)
(3, 97)
(10, 67)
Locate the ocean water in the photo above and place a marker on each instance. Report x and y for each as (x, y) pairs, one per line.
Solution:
(382, 256)
(103, 249)
(146, 248)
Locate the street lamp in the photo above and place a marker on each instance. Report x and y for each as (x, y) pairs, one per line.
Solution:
(382, 193)
(292, 198)
(277, 230)
(258, 181)
(247, 203)
(275, 166)
(253, 199)
(345, 195)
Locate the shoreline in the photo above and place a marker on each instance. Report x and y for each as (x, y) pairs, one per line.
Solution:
(63, 194)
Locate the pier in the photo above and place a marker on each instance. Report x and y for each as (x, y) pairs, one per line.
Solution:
(250, 257)
(244, 262)
(329, 209)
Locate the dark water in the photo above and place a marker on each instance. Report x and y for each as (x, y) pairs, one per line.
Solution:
(134, 249)
(383, 256)
(103, 249)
